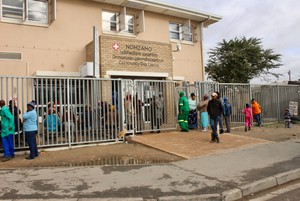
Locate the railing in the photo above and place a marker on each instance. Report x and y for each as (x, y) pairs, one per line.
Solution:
(273, 98)
(73, 111)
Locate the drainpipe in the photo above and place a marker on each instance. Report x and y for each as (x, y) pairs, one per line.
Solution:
(201, 25)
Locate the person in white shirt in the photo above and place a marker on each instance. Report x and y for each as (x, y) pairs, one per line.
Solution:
(193, 112)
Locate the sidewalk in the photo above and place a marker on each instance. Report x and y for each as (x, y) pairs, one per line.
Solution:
(235, 167)
(195, 144)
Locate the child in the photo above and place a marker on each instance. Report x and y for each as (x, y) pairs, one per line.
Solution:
(287, 118)
(248, 117)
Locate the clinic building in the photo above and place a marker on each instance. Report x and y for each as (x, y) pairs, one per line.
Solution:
(137, 39)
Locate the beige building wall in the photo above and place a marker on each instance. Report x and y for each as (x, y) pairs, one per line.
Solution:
(187, 62)
(61, 46)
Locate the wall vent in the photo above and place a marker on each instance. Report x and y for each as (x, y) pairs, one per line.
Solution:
(16, 56)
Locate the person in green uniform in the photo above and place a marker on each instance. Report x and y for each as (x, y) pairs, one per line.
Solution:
(7, 132)
(183, 115)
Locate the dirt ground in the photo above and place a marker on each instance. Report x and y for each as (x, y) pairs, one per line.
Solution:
(272, 132)
(135, 153)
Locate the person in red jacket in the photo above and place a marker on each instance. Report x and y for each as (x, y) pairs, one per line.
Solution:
(256, 111)
(248, 117)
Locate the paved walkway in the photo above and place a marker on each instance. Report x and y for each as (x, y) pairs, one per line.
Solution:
(195, 143)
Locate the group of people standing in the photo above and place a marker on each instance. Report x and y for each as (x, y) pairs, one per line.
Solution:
(154, 112)
(212, 112)
(8, 127)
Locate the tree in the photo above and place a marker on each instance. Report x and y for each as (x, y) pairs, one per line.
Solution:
(240, 60)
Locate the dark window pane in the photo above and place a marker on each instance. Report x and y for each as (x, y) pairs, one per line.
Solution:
(13, 9)
(130, 29)
(113, 26)
(175, 35)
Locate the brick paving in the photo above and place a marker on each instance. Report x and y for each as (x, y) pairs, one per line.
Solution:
(194, 143)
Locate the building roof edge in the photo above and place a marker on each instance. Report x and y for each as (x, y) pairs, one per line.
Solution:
(167, 9)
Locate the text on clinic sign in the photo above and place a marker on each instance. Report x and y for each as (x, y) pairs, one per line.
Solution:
(137, 55)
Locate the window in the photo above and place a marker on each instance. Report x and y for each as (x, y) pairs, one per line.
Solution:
(109, 21)
(174, 30)
(17, 56)
(117, 22)
(13, 9)
(28, 11)
(129, 25)
(181, 31)
(38, 11)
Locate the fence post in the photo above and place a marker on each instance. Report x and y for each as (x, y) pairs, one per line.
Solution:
(68, 110)
(133, 106)
(278, 104)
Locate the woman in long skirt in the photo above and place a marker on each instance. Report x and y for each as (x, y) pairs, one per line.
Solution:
(202, 107)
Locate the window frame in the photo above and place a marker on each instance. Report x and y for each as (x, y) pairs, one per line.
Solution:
(104, 20)
(177, 31)
(12, 53)
(120, 29)
(25, 14)
(181, 32)
(127, 24)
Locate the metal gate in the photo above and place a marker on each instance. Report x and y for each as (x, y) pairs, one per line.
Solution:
(85, 110)
(154, 105)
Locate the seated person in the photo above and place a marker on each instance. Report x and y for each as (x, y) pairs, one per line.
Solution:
(52, 122)
(87, 118)
(65, 119)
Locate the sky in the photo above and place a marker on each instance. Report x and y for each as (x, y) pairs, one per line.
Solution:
(275, 22)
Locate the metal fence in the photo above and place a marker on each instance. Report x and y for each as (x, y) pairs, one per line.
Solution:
(70, 111)
(273, 98)
(74, 111)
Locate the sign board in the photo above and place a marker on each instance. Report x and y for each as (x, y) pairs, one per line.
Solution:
(293, 107)
(132, 55)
